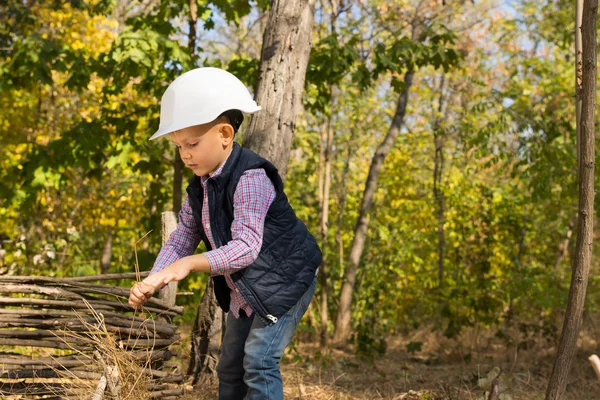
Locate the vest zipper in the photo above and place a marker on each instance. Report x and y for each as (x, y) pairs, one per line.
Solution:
(262, 308)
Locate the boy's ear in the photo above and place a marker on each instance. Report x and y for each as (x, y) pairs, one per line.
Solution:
(227, 133)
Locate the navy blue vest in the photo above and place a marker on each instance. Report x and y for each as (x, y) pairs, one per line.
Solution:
(289, 255)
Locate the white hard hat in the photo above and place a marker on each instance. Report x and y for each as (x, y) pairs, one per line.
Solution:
(200, 96)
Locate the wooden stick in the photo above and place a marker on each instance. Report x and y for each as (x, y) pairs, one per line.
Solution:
(85, 321)
(163, 376)
(49, 373)
(595, 361)
(46, 343)
(42, 333)
(77, 287)
(73, 361)
(97, 305)
(170, 392)
(124, 318)
(106, 277)
(148, 343)
(14, 301)
(99, 393)
(494, 390)
(79, 344)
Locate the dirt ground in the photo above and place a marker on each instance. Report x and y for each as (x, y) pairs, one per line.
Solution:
(443, 369)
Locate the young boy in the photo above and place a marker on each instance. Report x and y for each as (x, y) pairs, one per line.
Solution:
(262, 258)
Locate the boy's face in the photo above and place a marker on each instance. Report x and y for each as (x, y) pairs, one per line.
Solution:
(203, 148)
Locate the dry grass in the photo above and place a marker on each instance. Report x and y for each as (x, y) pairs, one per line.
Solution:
(444, 369)
(126, 376)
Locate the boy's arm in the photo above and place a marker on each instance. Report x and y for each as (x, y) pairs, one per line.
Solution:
(253, 197)
(182, 242)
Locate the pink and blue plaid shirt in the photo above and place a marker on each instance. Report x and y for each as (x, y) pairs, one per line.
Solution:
(253, 197)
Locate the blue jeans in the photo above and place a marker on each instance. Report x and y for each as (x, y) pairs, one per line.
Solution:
(249, 364)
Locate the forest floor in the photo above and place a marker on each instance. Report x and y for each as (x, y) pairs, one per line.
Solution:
(442, 369)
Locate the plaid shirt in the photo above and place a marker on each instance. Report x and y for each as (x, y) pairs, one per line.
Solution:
(253, 197)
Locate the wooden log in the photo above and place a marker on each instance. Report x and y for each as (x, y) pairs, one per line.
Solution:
(147, 343)
(48, 343)
(74, 290)
(155, 387)
(120, 332)
(24, 387)
(169, 392)
(87, 322)
(111, 373)
(106, 277)
(124, 293)
(161, 326)
(50, 373)
(172, 378)
(99, 392)
(79, 344)
(73, 361)
(59, 362)
(36, 289)
(14, 301)
(159, 377)
(494, 390)
(595, 361)
(152, 355)
(96, 304)
(126, 307)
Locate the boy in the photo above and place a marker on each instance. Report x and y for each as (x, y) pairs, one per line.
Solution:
(262, 258)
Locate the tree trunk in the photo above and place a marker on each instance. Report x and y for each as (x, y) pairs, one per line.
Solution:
(585, 221)
(578, 73)
(177, 182)
(342, 193)
(342, 325)
(327, 144)
(283, 61)
(106, 253)
(206, 336)
(438, 194)
(563, 249)
(178, 165)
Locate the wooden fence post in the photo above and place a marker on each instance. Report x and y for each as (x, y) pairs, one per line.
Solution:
(169, 223)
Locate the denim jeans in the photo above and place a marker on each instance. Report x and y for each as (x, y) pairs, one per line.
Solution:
(249, 364)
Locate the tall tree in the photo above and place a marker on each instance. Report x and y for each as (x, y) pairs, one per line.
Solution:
(342, 325)
(283, 61)
(426, 49)
(585, 220)
(438, 171)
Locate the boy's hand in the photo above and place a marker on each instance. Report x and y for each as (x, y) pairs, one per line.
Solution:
(142, 291)
(139, 294)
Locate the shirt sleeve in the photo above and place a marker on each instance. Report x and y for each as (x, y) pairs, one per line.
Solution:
(251, 201)
(182, 242)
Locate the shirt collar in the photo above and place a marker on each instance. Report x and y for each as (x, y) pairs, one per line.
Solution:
(204, 178)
